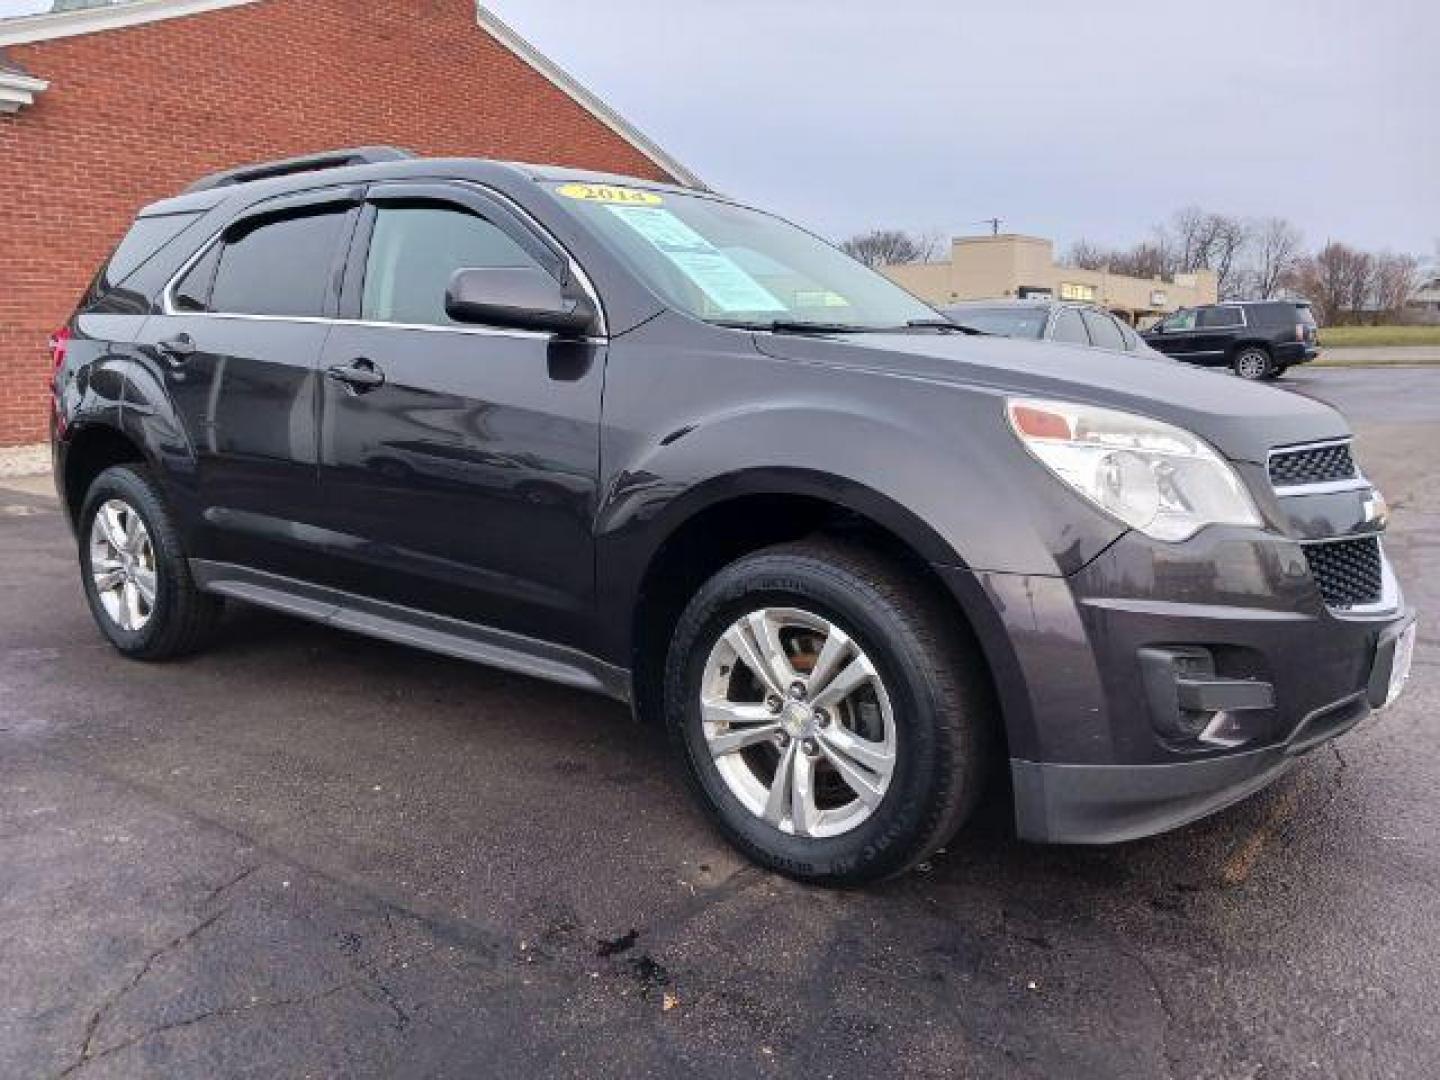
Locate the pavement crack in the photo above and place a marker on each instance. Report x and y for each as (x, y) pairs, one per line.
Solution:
(1163, 1000)
(221, 890)
(107, 1006)
(221, 1013)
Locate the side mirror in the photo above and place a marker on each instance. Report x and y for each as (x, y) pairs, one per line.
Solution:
(520, 297)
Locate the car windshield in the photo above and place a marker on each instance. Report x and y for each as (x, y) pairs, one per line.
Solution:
(735, 266)
(1020, 322)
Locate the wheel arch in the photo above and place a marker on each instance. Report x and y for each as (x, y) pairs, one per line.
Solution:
(733, 516)
(88, 451)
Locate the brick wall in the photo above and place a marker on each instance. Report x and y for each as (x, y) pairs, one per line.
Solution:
(134, 115)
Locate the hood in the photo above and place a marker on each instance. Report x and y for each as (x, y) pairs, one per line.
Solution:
(1243, 420)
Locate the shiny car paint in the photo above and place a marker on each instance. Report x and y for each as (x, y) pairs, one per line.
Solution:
(506, 495)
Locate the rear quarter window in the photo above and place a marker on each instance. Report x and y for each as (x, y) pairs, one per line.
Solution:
(145, 238)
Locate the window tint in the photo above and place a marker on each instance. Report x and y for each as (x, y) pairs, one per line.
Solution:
(415, 250)
(1069, 328)
(192, 292)
(1103, 331)
(279, 267)
(147, 236)
(1270, 315)
(1216, 318)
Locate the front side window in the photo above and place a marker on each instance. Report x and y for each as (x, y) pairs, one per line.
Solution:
(1181, 320)
(416, 249)
(1018, 322)
(278, 266)
(1103, 331)
(735, 266)
(1069, 328)
(1218, 318)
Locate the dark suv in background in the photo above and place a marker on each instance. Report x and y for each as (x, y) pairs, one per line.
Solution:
(647, 441)
(1256, 339)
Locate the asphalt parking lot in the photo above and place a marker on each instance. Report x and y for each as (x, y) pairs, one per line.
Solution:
(310, 854)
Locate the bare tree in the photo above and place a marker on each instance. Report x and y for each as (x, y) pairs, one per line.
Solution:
(1200, 240)
(887, 247)
(1393, 279)
(1084, 255)
(1277, 250)
(1147, 259)
(1336, 279)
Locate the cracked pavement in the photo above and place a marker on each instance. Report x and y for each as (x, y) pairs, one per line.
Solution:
(310, 854)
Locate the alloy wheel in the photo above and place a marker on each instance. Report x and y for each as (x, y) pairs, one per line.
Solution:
(1252, 364)
(122, 565)
(798, 722)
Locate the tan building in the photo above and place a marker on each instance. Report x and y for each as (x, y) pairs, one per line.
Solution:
(1010, 266)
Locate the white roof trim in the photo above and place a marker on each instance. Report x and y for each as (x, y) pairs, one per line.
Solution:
(18, 91)
(61, 24)
(508, 37)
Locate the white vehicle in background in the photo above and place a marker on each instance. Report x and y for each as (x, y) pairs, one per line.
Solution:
(1051, 320)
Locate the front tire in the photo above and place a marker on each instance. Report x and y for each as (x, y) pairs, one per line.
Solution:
(1253, 363)
(136, 577)
(833, 720)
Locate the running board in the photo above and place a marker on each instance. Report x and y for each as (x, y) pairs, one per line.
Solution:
(407, 626)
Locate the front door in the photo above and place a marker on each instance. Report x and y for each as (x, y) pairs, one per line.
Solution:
(459, 464)
(237, 345)
(1176, 334)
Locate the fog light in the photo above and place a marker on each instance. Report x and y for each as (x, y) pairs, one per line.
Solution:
(1191, 705)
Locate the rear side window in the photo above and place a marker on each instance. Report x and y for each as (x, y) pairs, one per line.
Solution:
(147, 236)
(1069, 328)
(1218, 318)
(280, 266)
(1103, 331)
(414, 251)
(1305, 316)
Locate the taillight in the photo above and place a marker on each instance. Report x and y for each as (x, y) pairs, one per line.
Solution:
(1299, 331)
(59, 344)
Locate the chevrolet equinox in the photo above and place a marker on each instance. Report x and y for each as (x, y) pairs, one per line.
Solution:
(647, 441)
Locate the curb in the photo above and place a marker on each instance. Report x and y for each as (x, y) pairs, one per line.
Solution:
(32, 460)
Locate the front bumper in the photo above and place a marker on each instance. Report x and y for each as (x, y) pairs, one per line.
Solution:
(1095, 758)
(1101, 804)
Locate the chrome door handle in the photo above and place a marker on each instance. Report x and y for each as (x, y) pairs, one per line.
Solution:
(359, 376)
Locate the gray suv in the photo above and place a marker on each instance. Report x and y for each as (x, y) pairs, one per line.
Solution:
(653, 443)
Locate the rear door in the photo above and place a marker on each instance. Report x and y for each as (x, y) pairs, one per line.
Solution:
(461, 471)
(238, 343)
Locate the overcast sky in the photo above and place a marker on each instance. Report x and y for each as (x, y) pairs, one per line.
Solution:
(1065, 120)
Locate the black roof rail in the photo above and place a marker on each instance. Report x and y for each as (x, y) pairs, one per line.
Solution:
(329, 159)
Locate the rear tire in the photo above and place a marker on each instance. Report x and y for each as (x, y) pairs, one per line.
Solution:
(135, 573)
(1253, 363)
(916, 716)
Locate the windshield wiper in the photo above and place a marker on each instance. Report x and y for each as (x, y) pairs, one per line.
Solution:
(946, 324)
(796, 326)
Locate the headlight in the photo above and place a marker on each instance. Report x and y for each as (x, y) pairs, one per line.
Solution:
(1154, 477)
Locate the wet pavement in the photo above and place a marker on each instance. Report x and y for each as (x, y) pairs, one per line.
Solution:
(310, 854)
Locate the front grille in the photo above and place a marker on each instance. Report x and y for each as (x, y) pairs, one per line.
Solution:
(1347, 572)
(1312, 465)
